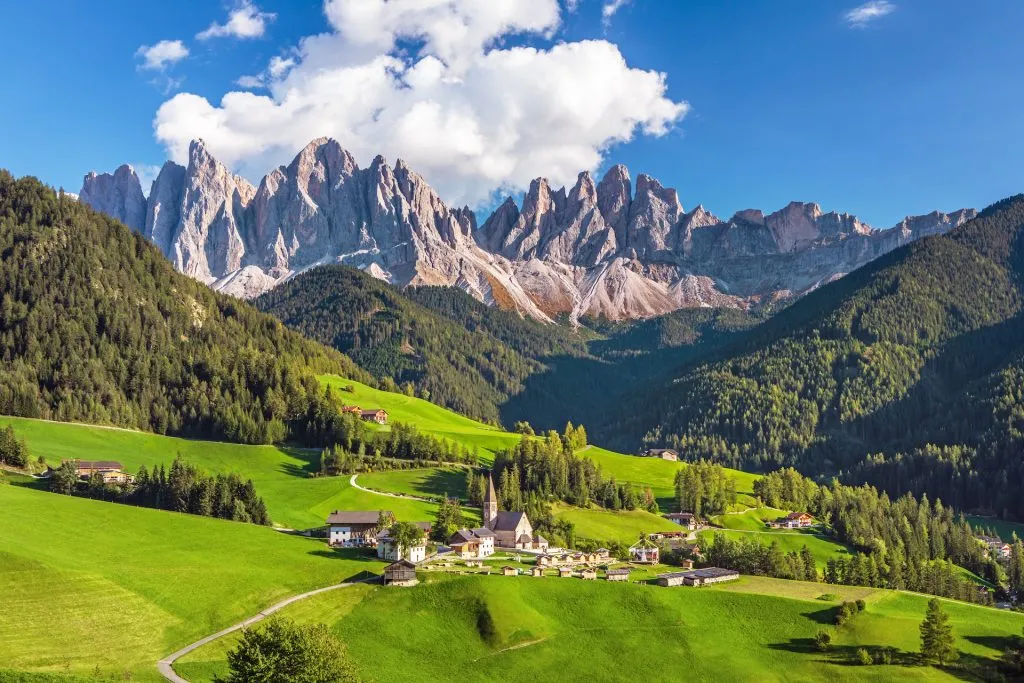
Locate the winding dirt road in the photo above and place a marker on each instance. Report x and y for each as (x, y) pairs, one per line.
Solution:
(165, 665)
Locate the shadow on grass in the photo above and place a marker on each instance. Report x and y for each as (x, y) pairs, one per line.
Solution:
(308, 457)
(968, 667)
(825, 617)
(444, 482)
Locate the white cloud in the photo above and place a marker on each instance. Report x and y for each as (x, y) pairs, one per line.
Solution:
(165, 53)
(249, 82)
(471, 115)
(245, 21)
(860, 17)
(571, 5)
(609, 9)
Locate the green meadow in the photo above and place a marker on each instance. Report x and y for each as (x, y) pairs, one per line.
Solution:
(89, 585)
(568, 629)
(427, 417)
(281, 475)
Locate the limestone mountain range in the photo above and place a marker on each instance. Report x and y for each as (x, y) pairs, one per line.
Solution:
(599, 249)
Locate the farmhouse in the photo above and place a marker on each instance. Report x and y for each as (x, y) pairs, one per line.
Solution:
(400, 573)
(996, 547)
(511, 529)
(353, 528)
(380, 416)
(472, 543)
(387, 549)
(698, 577)
(110, 470)
(352, 409)
(683, 519)
(794, 520)
(663, 453)
(617, 575)
(644, 552)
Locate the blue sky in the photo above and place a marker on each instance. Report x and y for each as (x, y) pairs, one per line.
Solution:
(917, 107)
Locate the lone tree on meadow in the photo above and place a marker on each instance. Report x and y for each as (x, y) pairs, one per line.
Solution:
(282, 651)
(938, 642)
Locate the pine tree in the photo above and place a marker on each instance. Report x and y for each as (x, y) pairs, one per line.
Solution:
(938, 642)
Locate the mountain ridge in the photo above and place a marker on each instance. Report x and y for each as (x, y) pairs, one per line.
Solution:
(598, 249)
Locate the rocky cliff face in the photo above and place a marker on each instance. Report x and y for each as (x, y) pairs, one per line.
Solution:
(598, 249)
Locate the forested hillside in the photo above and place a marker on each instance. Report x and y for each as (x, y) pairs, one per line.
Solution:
(485, 362)
(96, 326)
(908, 373)
(435, 341)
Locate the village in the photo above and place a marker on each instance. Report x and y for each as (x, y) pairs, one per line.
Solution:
(507, 545)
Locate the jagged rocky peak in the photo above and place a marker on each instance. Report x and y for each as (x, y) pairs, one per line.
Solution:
(654, 218)
(119, 195)
(755, 216)
(614, 197)
(164, 205)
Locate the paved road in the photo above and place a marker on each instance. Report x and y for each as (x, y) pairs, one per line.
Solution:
(165, 664)
(389, 495)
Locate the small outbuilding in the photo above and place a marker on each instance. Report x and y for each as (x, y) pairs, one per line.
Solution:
(589, 573)
(401, 573)
(564, 572)
(617, 575)
(537, 571)
(698, 577)
(509, 571)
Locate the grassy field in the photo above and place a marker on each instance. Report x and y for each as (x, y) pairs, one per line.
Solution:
(431, 482)
(754, 630)
(823, 549)
(1006, 530)
(281, 475)
(429, 418)
(750, 520)
(605, 525)
(87, 584)
(659, 475)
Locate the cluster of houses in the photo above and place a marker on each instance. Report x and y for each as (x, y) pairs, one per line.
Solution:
(378, 415)
(687, 520)
(508, 531)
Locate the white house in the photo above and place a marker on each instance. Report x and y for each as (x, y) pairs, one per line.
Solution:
(388, 550)
(352, 528)
(472, 544)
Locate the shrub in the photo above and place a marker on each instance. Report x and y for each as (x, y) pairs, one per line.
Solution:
(285, 652)
(860, 605)
(864, 657)
(823, 640)
(828, 597)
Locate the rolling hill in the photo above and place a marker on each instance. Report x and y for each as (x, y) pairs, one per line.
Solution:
(755, 630)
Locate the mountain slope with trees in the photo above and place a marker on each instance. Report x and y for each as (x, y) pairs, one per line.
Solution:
(96, 326)
(907, 374)
(436, 342)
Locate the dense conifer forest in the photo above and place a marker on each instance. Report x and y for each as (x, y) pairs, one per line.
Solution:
(907, 374)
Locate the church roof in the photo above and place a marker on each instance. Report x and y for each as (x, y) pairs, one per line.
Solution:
(507, 521)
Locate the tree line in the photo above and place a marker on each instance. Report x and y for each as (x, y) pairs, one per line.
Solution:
(181, 488)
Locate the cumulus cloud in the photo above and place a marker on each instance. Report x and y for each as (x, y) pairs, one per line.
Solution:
(165, 53)
(859, 17)
(430, 81)
(245, 21)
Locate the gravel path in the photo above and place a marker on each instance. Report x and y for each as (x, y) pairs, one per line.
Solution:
(165, 665)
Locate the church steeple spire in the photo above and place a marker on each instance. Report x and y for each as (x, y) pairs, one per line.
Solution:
(490, 508)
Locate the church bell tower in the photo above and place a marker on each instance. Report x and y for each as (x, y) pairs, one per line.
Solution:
(490, 507)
